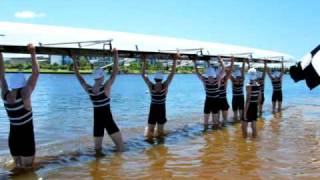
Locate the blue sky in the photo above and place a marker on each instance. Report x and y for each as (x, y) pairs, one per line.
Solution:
(290, 26)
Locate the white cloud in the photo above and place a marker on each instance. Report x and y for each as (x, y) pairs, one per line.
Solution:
(28, 14)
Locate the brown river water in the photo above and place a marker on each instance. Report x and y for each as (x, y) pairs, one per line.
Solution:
(287, 146)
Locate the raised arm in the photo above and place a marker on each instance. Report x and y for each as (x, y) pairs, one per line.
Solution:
(248, 61)
(173, 70)
(223, 68)
(243, 69)
(246, 105)
(196, 68)
(282, 69)
(264, 70)
(232, 69)
(143, 71)
(32, 81)
(208, 63)
(3, 82)
(229, 72)
(268, 71)
(115, 69)
(77, 73)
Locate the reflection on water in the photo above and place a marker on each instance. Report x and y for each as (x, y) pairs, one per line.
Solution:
(287, 145)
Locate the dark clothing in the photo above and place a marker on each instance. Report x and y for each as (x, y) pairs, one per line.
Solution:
(212, 96)
(211, 106)
(21, 135)
(237, 103)
(252, 111)
(238, 97)
(212, 89)
(157, 113)
(277, 90)
(102, 114)
(223, 102)
(277, 96)
(21, 140)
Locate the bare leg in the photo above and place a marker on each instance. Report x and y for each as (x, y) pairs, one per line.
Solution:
(98, 143)
(225, 117)
(160, 130)
(17, 161)
(260, 109)
(244, 126)
(241, 114)
(215, 120)
(117, 140)
(206, 119)
(149, 132)
(235, 116)
(273, 106)
(279, 106)
(254, 128)
(27, 161)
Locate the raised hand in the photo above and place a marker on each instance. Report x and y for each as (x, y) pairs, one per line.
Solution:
(31, 48)
(144, 57)
(115, 52)
(176, 57)
(73, 56)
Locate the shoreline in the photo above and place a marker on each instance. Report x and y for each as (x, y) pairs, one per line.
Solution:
(46, 71)
(89, 72)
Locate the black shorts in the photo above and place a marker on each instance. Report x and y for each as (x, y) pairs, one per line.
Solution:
(252, 112)
(237, 103)
(103, 120)
(223, 104)
(211, 106)
(277, 96)
(21, 140)
(157, 114)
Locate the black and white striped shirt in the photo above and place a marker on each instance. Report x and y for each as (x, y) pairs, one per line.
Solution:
(237, 89)
(158, 97)
(212, 89)
(17, 113)
(222, 89)
(255, 90)
(276, 84)
(99, 99)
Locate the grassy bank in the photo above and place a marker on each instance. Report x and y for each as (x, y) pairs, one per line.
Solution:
(48, 71)
(62, 71)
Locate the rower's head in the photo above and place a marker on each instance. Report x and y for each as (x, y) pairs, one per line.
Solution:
(227, 66)
(158, 77)
(17, 81)
(98, 75)
(211, 73)
(276, 74)
(219, 72)
(252, 74)
(237, 73)
(259, 75)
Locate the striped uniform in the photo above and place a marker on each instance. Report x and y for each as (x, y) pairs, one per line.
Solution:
(261, 83)
(102, 113)
(252, 112)
(157, 113)
(238, 97)
(212, 96)
(277, 90)
(21, 135)
(223, 102)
